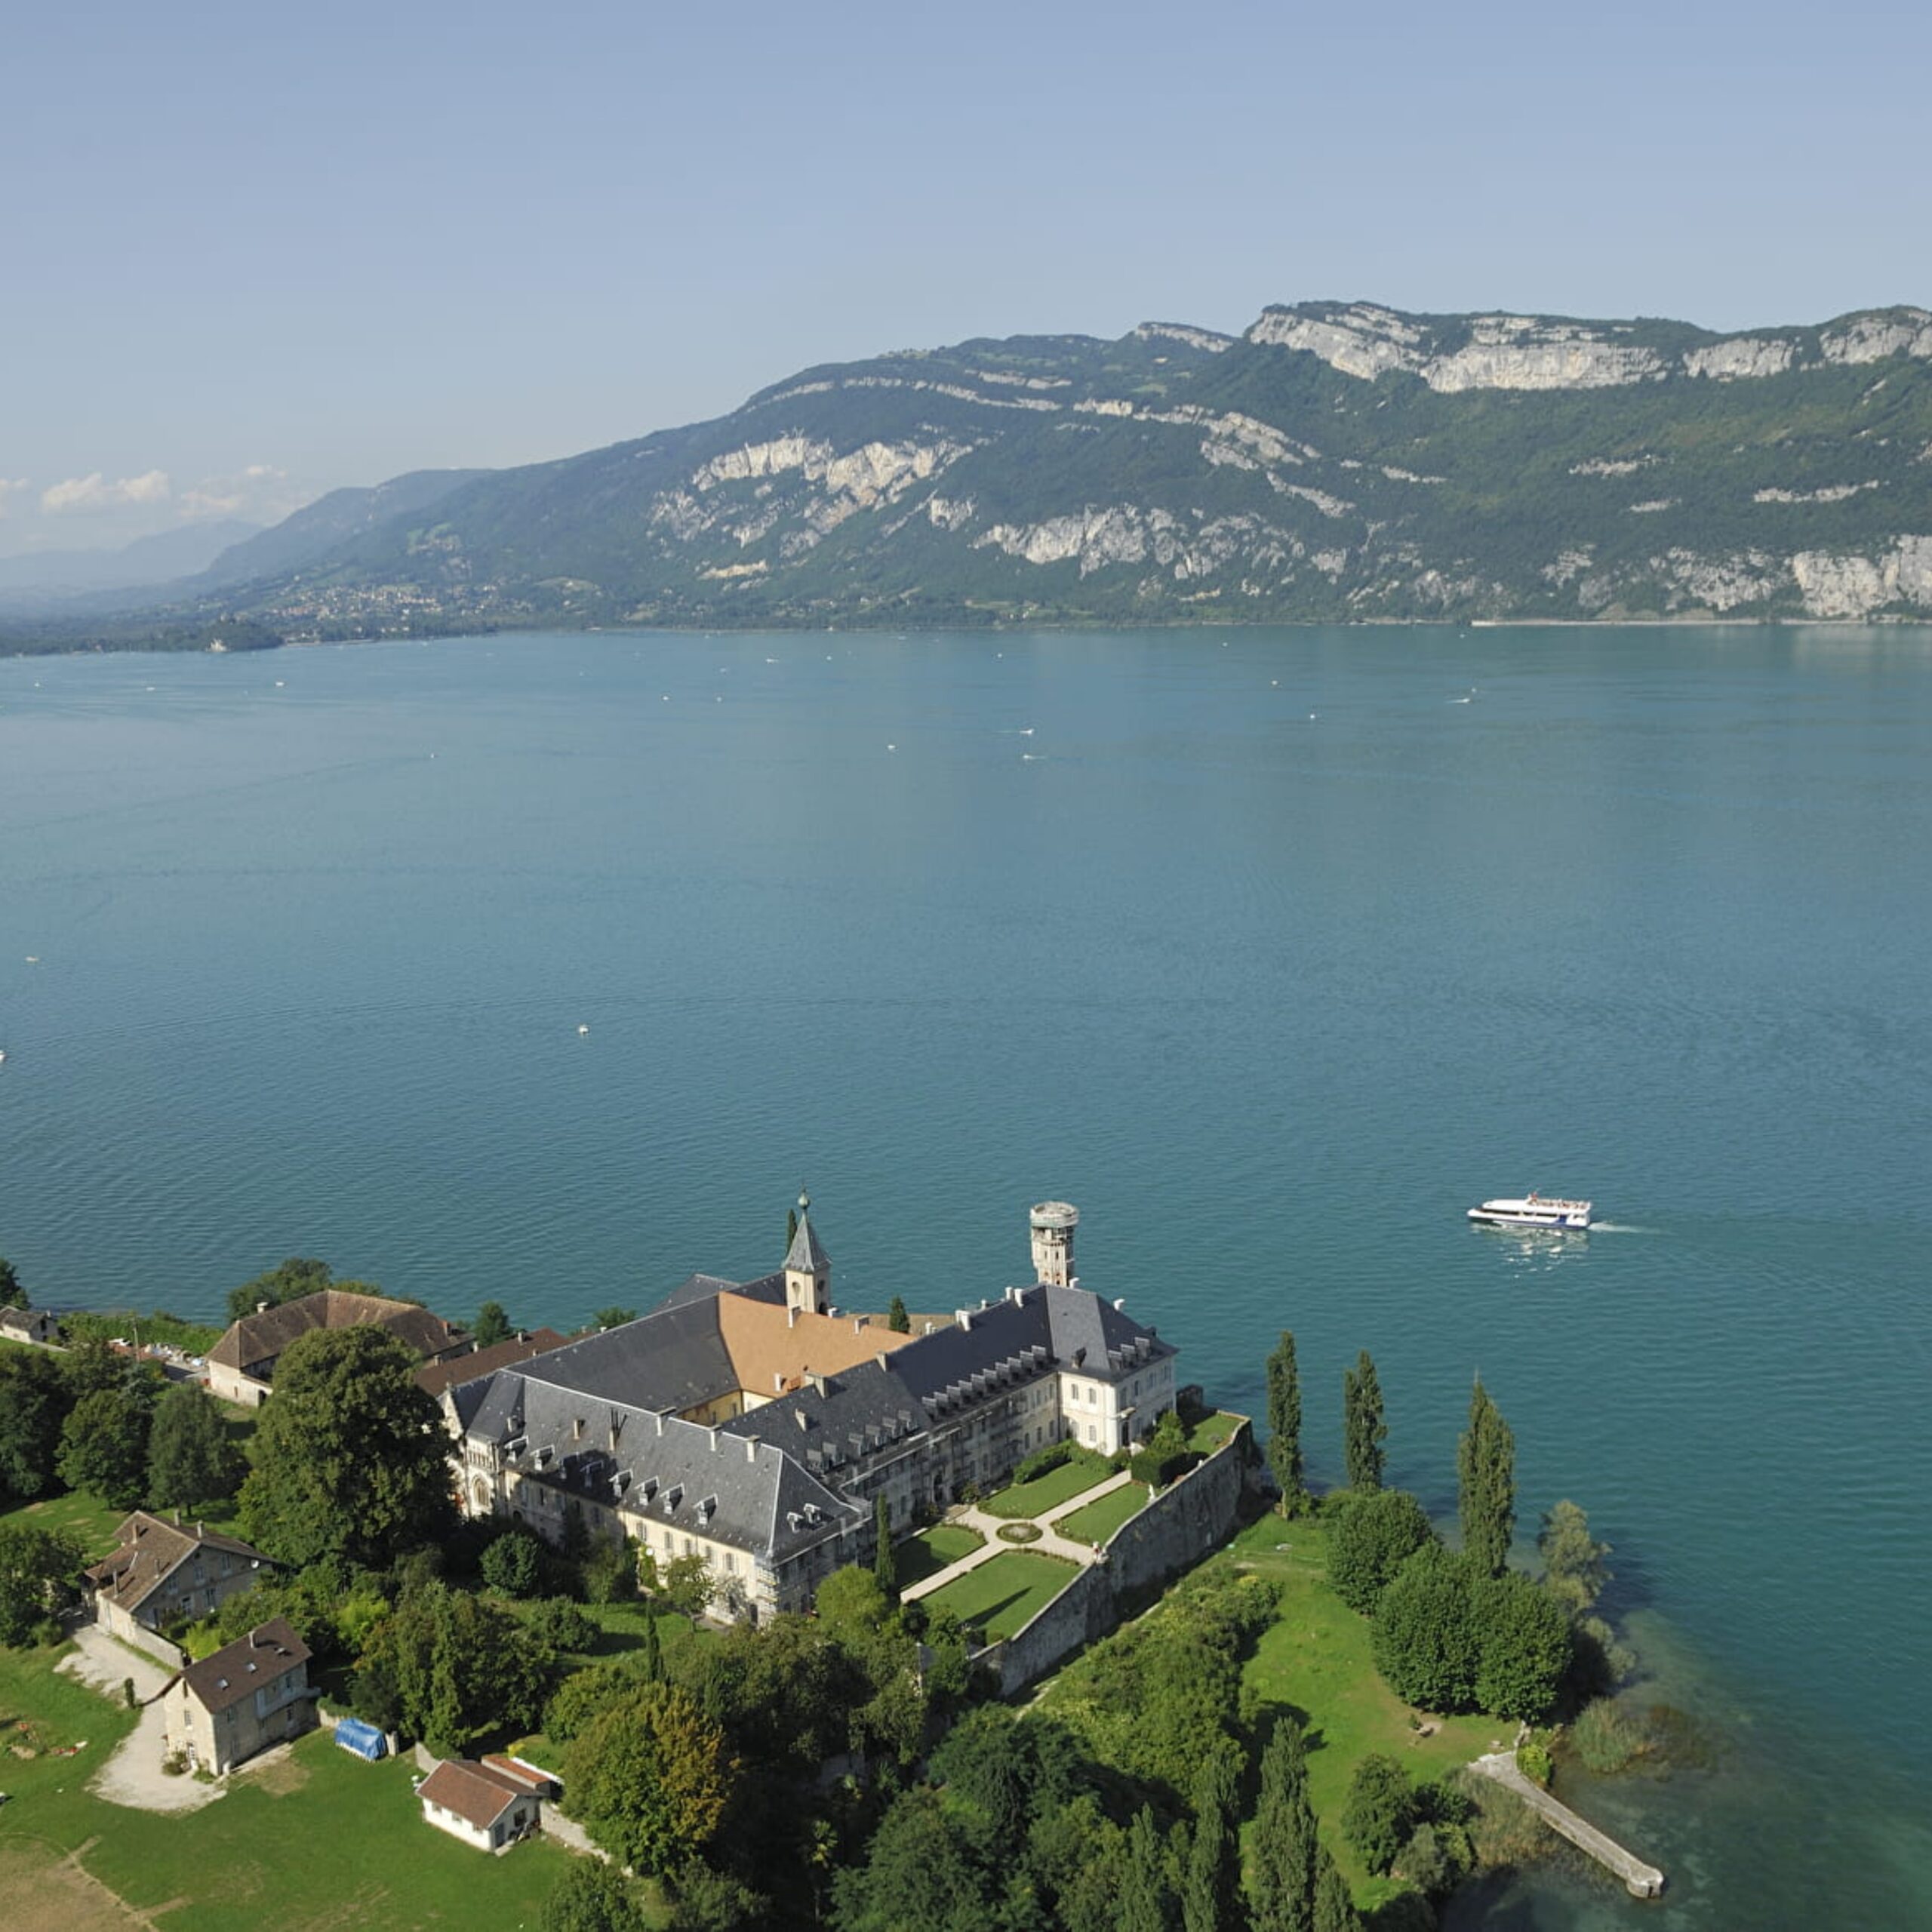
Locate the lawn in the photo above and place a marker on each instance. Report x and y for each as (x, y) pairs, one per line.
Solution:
(316, 1838)
(86, 1516)
(929, 1552)
(1211, 1431)
(1098, 1521)
(1045, 1493)
(1315, 1657)
(995, 1599)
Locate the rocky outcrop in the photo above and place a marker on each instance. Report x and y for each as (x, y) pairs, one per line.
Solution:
(1855, 586)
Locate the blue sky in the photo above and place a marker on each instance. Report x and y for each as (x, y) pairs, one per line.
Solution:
(248, 255)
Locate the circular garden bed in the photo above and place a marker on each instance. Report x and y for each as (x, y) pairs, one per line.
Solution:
(1018, 1533)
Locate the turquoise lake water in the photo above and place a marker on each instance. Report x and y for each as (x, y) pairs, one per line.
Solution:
(1271, 954)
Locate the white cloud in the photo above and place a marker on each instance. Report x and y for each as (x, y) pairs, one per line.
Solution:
(254, 492)
(94, 492)
(10, 486)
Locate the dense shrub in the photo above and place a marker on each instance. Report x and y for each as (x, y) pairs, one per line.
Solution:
(514, 1564)
(1525, 1645)
(1371, 1534)
(1054, 1456)
(1533, 1760)
(1381, 1811)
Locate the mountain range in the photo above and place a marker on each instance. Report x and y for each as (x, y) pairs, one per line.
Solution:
(1335, 462)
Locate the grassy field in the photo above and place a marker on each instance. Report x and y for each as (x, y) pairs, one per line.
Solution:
(1056, 1486)
(1315, 1658)
(86, 1516)
(314, 1838)
(927, 1553)
(998, 1597)
(1099, 1521)
(1211, 1431)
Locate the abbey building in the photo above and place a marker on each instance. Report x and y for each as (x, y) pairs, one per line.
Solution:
(753, 1424)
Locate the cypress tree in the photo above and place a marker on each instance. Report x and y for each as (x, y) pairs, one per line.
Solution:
(1486, 1465)
(1284, 1425)
(884, 1568)
(896, 1319)
(1210, 1884)
(1335, 1909)
(1363, 1428)
(1145, 1899)
(653, 1671)
(791, 1228)
(1281, 1884)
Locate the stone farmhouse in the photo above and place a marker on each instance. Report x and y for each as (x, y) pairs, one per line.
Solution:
(247, 1695)
(753, 1425)
(160, 1572)
(241, 1365)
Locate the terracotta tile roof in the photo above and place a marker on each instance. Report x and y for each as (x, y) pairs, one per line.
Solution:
(239, 1670)
(476, 1793)
(148, 1551)
(772, 1350)
(434, 1377)
(256, 1338)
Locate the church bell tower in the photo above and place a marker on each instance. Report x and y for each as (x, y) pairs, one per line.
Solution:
(808, 1266)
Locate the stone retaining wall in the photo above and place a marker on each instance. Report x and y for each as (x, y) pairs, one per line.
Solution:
(1181, 1525)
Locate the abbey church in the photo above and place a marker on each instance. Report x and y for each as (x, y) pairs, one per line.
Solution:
(754, 1424)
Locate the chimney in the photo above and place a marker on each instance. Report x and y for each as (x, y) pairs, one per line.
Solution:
(1120, 1302)
(251, 1640)
(778, 1382)
(261, 1308)
(880, 1358)
(858, 1322)
(200, 1531)
(713, 1434)
(791, 1318)
(964, 1316)
(750, 1448)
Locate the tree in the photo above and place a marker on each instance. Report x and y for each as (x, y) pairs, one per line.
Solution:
(1284, 1425)
(884, 1569)
(1486, 1464)
(850, 1602)
(514, 1564)
(1363, 1428)
(351, 1457)
(104, 1447)
(1370, 1536)
(918, 1871)
(295, 1276)
(34, 1402)
(1281, 1878)
(613, 1318)
(648, 1779)
(492, 1325)
(1381, 1811)
(38, 1568)
(1335, 1909)
(13, 1293)
(684, 1583)
(1146, 1899)
(91, 1366)
(592, 1897)
(1525, 1646)
(651, 1657)
(1424, 1637)
(896, 1319)
(1573, 1568)
(190, 1459)
(450, 1668)
(1210, 1886)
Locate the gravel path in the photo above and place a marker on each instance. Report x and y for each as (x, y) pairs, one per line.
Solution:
(133, 1776)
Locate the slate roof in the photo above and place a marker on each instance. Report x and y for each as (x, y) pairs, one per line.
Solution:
(853, 1415)
(239, 1670)
(706, 1288)
(806, 1254)
(262, 1337)
(434, 1377)
(743, 1493)
(148, 1550)
(673, 1360)
(478, 1794)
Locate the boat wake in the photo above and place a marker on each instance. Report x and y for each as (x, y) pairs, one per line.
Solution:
(1618, 1228)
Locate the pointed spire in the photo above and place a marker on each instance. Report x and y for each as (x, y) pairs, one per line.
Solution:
(807, 1255)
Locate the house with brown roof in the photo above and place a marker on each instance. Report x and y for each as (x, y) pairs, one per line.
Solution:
(434, 1377)
(250, 1694)
(489, 1804)
(241, 1365)
(160, 1572)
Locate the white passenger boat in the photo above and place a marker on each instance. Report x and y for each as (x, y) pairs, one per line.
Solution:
(1534, 1210)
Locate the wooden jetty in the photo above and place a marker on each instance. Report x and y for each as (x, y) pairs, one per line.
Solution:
(1643, 1882)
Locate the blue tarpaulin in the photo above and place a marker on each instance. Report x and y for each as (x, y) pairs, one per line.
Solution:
(364, 1740)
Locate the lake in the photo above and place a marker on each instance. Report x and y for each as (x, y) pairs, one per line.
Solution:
(1273, 950)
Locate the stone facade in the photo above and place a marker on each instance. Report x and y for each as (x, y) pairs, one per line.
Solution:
(249, 1694)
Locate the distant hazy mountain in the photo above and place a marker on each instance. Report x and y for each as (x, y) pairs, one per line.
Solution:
(147, 561)
(1336, 461)
(314, 530)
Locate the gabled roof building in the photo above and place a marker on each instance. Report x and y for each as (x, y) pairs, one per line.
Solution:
(246, 1696)
(241, 1365)
(754, 1425)
(160, 1572)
